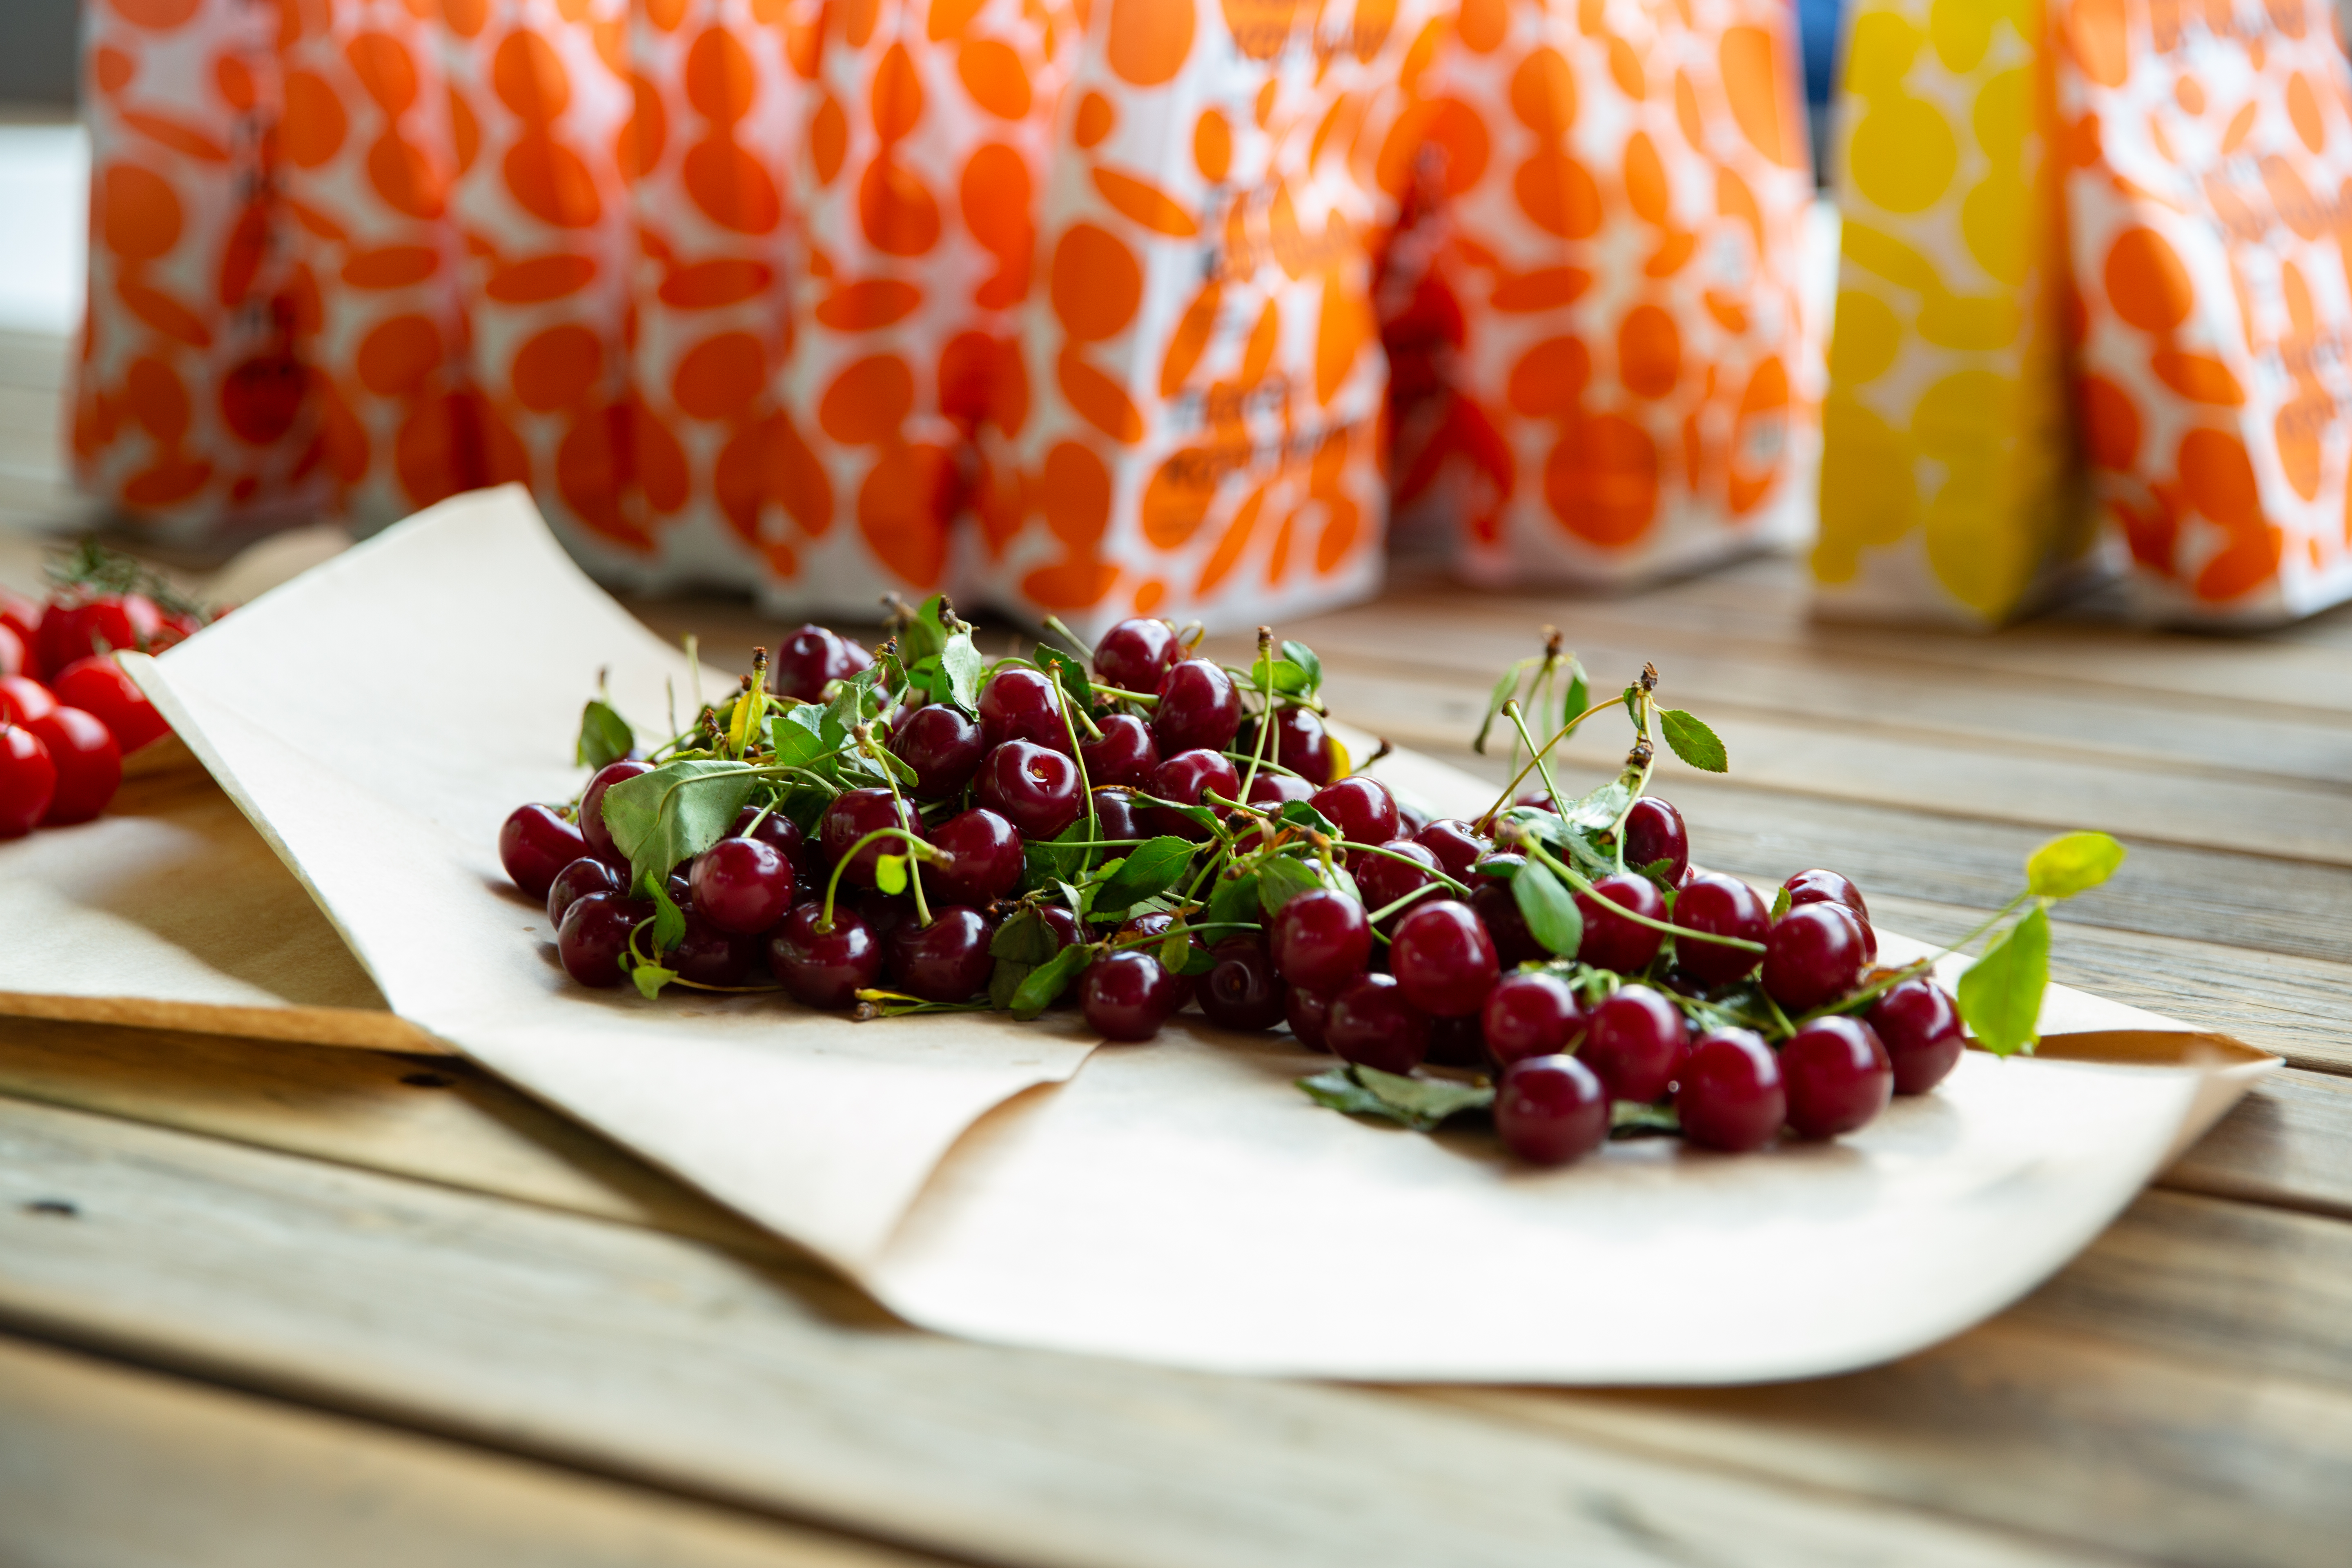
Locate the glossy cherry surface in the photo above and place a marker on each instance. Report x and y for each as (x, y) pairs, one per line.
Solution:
(1321, 940)
(1127, 995)
(23, 697)
(1372, 1025)
(1118, 815)
(1498, 909)
(1126, 754)
(1308, 1013)
(1838, 1076)
(1457, 845)
(1242, 991)
(1035, 789)
(1550, 1110)
(1360, 808)
(593, 936)
(1529, 1013)
(1820, 886)
(1443, 958)
(98, 687)
(1136, 655)
(946, 961)
(88, 764)
(811, 657)
(584, 875)
(983, 860)
(1720, 906)
(592, 826)
(1274, 790)
(709, 957)
(850, 817)
(28, 780)
(1634, 1041)
(1814, 955)
(534, 843)
(1920, 1027)
(1300, 743)
(941, 745)
(1023, 704)
(824, 968)
(1385, 878)
(779, 833)
(742, 886)
(1059, 923)
(1611, 940)
(1654, 832)
(1199, 709)
(1184, 778)
(1732, 1096)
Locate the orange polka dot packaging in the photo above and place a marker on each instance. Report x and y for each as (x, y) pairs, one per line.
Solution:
(2210, 208)
(1948, 490)
(1203, 435)
(1601, 353)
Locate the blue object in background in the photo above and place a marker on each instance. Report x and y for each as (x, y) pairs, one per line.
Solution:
(1816, 23)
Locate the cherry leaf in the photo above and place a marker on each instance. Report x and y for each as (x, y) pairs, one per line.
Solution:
(2001, 994)
(1550, 911)
(2073, 864)
(1693, 742)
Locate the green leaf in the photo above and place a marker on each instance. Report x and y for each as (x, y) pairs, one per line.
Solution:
(927, 633)
(1199, 814)
(1632, 1119)
(1495, 699)
(1299, 654)
(1150, 869)
(1025, 938)
(1579, 695)
(651, 978)
(962, 664)
(669, 920)
(2001, 994)
(1656, 872)
(1598, 811)
(1280, 880)
(797, 735)
(675, 812)
(1233, 900)
(1287, 677)
(1180, 955)
(1549, 909)
(2073, 864)
(1047, 861)
(1693, 742)
(1049, 979)
(1420, 1103)
(1780, 901)
(1004, 982)
(1069, 674)
(1300, 813)
(604, 735)
(890, 873)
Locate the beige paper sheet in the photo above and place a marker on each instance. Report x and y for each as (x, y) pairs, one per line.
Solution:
(1179, 1201)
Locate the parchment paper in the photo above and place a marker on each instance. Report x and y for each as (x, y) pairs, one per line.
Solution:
(1177, 1202)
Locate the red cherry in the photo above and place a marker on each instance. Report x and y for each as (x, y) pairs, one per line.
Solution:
(1838, 1076)
(709, 957)
(984, 861)
(742, 886)
(1732, 1096)
(824, 968)
(584, 875)
(851, 816)
(1820, 886)
(1126, 754)
(534, 843)
(1550, 1110)
(779, 833)
(1127, 995)
(594, 934)
(1443, 958)
(942, 746)
(1300, 743)
(1321, 940)
(1118, 815)
(1529, 1013)
(1274, 790)
(1611, 940)
(1457, 845)
(1499, 908)
(1184, 778)
(1813, 955)
(28, 780)
(1384, 878)
(1023, 704)
(1199, 709)
(1720, 906)
(1242, 991)
(1372, 1025)
(592, 826)
(23, 697)
(1308, 1013)
(946, 961)
(1634, 1041)
(1655, 832)
(99, 687)
(1360, 808)
(1035, 789)
(808, 658)
(1920, 1027)
(1137, 654)
(88, 764)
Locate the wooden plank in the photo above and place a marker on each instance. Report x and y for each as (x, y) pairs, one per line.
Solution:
(101, 1463)
(615, 1349)
(2288, 1144)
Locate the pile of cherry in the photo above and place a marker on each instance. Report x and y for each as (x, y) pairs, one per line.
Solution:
(1427, 960)
(68, 713)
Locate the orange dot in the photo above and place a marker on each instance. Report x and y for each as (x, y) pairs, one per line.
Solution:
(2200, 378)
(1543, 288)
(719, 376)
(1342, 327)
(639, 146)
(721, 81)
(391, 266)
(967, 377)
(164, 312)
(592, 465)
(707, 285)
(2299, 430)
(731, 188)
(158, 398)
(1761, 88)
(2146, 281)
(1686, 111)
(828, 139)
(2293, 197)
(1759, 436)
(1543, 93)
(2218, 477)
(1212, 145)
(464, 131)
(995, 196)
(1649, 352)
(384, 69)
(1097, 398)
(2189, 94)
(1146, 204)
(1096, 119)
(344, 438)
(552, 181)
(1646, 190)
(1267, 97)
(1148, 597)
(895, 209)
(558, 368)
(1076, 495)
(1558, 195)
(2097, 30)
(896, 99)
(530, 78)
(406, 179)
(1097, 284)
(246, 247)
(397, 355)
(1549, 378)
(1190, 338)
(139, 214)
(1148, 39)
(313, 125)
(2110, 423)
(1452, 129)
(992, 73)
(113, 69)
(538, 279)
(2303, 108)
(867, 400)
(1483, 23)
(170, 479)
(868, 304)
(455, 442)
(949, 18)
(1602, 480)
(156, 15)
(903, 510)
(466, 17)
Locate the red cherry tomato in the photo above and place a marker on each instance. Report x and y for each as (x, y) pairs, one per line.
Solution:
(12, 650)
(87, 765)
(20, 615)
(23, 697)
(117, 621)
(28, 780)
(97, 686)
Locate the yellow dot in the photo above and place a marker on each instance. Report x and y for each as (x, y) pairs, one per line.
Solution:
(1961, 418)
(1879, 53)
(1868, 489)
(1961, 29)
(1904, 155)
(1952, 321)
(1863, 340)
(2000, 116)
(1992, 220)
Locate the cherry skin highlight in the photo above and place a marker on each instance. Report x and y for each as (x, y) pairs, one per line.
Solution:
(1443, 958)
(983, 862)
(1814, 955)
(1490, 895)
(98, 687)
(1457, 845)
(1550, 1110)
(946, 961)
(1732, 1096)
(1385, 878)
(592, 826)
(1360, 808)
(1920, 1027)
(1820, 886)
(1023, 704)
(854, 814)
(1184, 778)
(1720, 906)
(821, 968)
(584, 875)
(1838, 1076)
(1308, 1013)
(1126, 755)
(1611, 940)
(1031, 787)
(1655, 832)
(593, 936)
(1529, 1013)
(534, 843)
(1127, 995)
(1137, 654)
(1300, 743)
(1242, 991)
(808, 658)
(942, 746)
(742, 886)
(88, 764)
(1321, 940)
(1634, 1041)
(1199, 709)
(778, 833)
(1372, 1025)
(28, 780)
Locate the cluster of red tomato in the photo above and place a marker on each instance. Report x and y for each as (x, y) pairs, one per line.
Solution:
(68, 713)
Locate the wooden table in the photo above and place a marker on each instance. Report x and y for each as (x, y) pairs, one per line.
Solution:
(263, 1304)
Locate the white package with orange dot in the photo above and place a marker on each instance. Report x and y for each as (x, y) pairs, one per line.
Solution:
(2208, 209)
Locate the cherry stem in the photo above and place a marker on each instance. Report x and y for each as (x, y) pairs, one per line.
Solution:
(1918, 966)
(1434, 875)
(1520, 777)
(1078, 755)
(1266, 713)
(873, 749)
(1578, 880)
(1543, 769)
(917, 850)
(1385, 910)
(1126, 696)
(1054, 624)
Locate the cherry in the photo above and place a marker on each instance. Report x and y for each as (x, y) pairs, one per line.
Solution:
(808, 658)
(1540, 800)
(1721, 906)
(1498, 909)
(1457, 845)
(1199, 709)
(1321, 940)
(1838, 1076)
(1634, 1041)
(1611, 940)
(1242, 991)
(1443, 958)
(779, 833)
(983, 862)
(1550, 1110)
(584, 875)
(592, 826)
(1064, 925)
(1654, 832)
(1372, 1025)
(709, 957)
(594, 934)
(1127, 995)
(28, 780)
(851, 816)
(1920, 1027)
(1135, 656)
(883, 913)
(534, 843)
(1384, 879)
(1184, 778)
(1300, 743)
(1732, 1096)
(824, 968)
(1126, 754)
(742, 886)
(1529, 1013)
(88, 764)
(1820, 886)
(1118, 815)
(1308, 1013)
(942, 746)
(946, 961)
(98, 687)
(1273, 791)
(1035, 789)
(1023, 704)
(1156, 924)
(1813, 955)
(1360, 808)
(101, 624)
(1456, 1042)
(23, 697)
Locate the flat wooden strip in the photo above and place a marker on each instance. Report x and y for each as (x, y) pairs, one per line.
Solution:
(101, 1463)
(618, 1349)
(2288, 1142)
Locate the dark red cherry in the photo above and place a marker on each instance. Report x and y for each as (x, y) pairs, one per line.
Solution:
(1837, 1074)
(824, 968)
(1499, 908)
(1550, 1110)
(1308, 1013)
(1118, 815)
(883, 913)
(1443, 958)
(1199, 709)
(811, 656)
(709, 957)
(742, 886)
(1156, 924)
(1321, 940)
(1385, 878)
(1126, 754)
(983, 862)
(1135, 656)
(946, 961)
(1242, 991)
(534, 843)
(1457, 845)
(1819, 887)
(1720, 906)
(592, 807)
(1183, 779)
(1300, 743)
(1529, 1013)
(854, 814)
(1456, 1042)
(1920, 1027)
(584, 875)
(1034, 788)
(1732, 1096)
(593, 936)
(1061, 924)
(1372, 1025)
(1655, 832)
(778, 833)
(28, 780)
(1360, 808)
(1634, 1041)
(1611, 940)
(1274, 790)
(1127, 995)
(942, 746)
(1813, 955)
(1537, 799)
(1023, 704)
